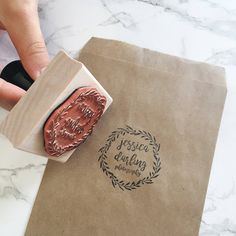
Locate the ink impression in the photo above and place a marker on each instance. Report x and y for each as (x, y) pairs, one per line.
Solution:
(70, 124)
(130, 158)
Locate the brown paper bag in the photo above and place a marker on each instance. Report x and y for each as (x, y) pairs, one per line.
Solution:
(145, 169)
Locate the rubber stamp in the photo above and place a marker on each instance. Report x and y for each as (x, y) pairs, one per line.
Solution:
(70, 124)
(58, 112)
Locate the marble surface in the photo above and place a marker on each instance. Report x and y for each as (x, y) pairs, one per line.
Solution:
(203, 30)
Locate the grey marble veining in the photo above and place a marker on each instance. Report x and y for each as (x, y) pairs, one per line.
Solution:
(8, 188)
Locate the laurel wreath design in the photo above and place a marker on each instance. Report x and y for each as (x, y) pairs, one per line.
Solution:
(53, 146)
(135, 184)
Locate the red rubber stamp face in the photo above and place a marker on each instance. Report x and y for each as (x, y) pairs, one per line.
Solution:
(70, 124)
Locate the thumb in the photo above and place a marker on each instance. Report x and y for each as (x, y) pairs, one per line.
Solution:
(25, 33)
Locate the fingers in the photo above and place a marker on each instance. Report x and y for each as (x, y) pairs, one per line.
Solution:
(9, 94)
(25, 33)
(20, 19)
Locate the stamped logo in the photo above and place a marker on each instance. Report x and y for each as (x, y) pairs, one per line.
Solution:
(130, 158)
(70, 124)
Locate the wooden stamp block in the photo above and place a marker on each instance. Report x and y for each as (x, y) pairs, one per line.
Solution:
(58, 112)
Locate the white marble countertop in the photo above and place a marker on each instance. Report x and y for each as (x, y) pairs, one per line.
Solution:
(203, 30)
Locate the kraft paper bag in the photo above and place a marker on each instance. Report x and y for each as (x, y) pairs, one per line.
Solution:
(145, 168)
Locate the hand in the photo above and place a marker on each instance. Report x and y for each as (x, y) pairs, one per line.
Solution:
(20, 19)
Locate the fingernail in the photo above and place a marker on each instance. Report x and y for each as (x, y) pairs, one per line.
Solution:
(40, 72)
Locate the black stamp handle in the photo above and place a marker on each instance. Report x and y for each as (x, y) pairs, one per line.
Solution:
(15, 73)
